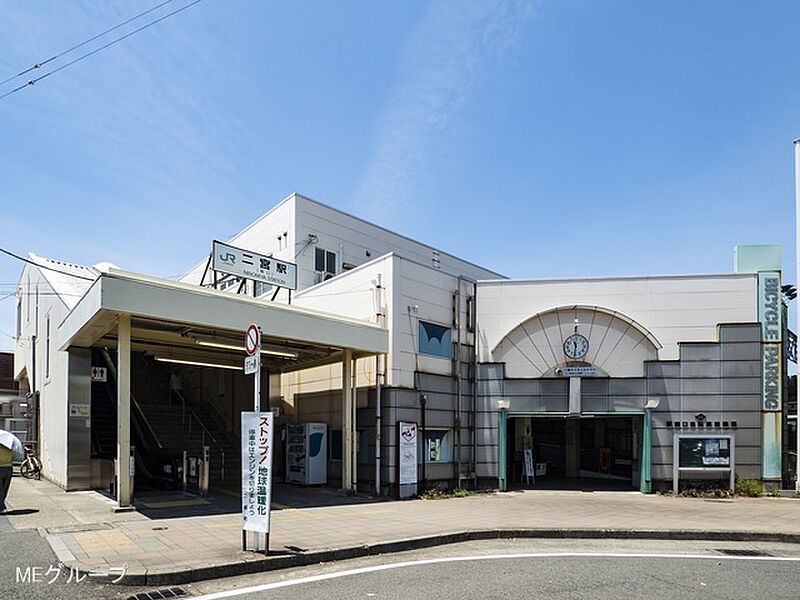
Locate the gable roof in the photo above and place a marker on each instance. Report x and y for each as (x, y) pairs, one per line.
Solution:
(68, 280)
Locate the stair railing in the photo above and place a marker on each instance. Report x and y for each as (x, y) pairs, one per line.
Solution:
(204, 431)
(134, 404)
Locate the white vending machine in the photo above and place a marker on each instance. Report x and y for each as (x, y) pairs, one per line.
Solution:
(307, 453)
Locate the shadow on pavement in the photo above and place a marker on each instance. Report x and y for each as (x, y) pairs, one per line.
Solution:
(19, 511)
(174, 505)
(584, 484)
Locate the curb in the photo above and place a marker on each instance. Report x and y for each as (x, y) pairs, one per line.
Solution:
(293, 560)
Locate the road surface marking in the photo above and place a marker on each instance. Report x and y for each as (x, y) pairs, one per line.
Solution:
(432, 561)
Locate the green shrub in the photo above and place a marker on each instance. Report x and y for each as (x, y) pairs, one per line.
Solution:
(750, 488)
(433, 494)
(705, 489)
(436, 493)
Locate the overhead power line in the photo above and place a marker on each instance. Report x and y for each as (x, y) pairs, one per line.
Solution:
(42, 63)
(35, 264)
(96, 50)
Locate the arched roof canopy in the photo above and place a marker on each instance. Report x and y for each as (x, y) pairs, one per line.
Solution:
(618, 345)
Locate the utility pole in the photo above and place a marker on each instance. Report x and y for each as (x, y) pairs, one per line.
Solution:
(797, 302)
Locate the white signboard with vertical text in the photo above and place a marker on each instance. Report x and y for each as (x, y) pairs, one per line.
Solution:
(407, 463)
(257, 439)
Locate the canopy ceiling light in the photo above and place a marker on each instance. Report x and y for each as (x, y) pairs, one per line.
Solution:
(197, 363)
(279, 353)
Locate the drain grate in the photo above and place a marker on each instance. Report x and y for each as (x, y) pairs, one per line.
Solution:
(741, 552)
(174, 592)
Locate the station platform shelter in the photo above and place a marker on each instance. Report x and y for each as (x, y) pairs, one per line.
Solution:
(152, 363)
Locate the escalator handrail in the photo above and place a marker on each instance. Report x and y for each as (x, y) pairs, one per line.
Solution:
(139, 413)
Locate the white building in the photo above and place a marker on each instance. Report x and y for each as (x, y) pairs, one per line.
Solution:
(599, 379)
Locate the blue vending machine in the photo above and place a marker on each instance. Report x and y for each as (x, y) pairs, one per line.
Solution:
(307, 453)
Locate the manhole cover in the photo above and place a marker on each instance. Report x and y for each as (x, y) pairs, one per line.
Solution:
(174, 592)
(741, 552)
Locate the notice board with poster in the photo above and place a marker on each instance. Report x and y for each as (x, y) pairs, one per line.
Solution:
(698, 452)
(407, 459)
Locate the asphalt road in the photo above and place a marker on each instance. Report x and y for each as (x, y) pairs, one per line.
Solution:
(557, 569)
(26, 549)
(681, 570)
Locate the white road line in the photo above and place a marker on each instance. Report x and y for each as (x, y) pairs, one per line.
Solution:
(432, 561)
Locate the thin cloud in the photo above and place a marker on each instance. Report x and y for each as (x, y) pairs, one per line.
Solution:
(445, 60)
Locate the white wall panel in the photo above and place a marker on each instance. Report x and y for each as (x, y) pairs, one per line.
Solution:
(53, 388)
(673, 308)
(260, 236)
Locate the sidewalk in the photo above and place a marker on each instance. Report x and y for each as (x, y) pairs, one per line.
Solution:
(85, 533)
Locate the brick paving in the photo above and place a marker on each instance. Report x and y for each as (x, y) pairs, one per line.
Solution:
(98, 539)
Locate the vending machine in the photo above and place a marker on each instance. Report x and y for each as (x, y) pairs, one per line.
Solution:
(307, 453)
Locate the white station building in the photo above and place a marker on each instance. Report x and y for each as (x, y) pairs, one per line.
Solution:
(622, 382)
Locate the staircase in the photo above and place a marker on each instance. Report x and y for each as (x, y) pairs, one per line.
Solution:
(160, 430)
(185, 427)
(180, 430)
(104, 423)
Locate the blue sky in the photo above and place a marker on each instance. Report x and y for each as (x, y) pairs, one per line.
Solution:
(536, 138)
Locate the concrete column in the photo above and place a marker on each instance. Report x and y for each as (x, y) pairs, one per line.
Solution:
(347, 420)
(79, 439)
(573, 450)
(124, 483)
(354, 427)
(645, 464)
(574, 395)
(502, 484)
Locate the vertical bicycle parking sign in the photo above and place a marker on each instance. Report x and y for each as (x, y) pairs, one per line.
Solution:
(257, 440)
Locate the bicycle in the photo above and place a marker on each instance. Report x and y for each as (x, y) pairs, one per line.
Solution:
(31, 467)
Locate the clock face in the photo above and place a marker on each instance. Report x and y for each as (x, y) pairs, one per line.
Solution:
(576, 346)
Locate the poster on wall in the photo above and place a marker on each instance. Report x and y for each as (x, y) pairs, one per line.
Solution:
(257, 439)
(407, 459)
(699, 453)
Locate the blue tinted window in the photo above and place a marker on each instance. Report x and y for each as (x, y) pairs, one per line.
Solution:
(434, 339)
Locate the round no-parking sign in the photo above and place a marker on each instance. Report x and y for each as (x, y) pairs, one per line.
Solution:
(252, 339)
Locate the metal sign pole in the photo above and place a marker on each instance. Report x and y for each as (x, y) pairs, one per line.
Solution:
(797, 259)
(257, 388)
(257, 408)
(252, 366)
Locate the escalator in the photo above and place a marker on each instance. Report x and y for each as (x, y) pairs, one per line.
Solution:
(157, 467)
(163, 426)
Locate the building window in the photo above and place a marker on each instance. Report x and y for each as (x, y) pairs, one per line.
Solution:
(434, 340)
(47, 346)
(19, 318)
(324, 261)
(262, 288)
(437, 446)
